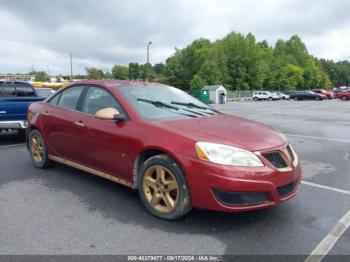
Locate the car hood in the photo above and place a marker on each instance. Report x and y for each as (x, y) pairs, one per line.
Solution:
(227, 129)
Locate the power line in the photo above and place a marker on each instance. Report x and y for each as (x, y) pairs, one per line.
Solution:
(156, 50)
(57, 44)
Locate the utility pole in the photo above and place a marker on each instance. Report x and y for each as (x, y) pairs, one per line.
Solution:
(71, 67)
(149, 43)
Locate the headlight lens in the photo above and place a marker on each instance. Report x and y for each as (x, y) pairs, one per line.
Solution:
(226, 155)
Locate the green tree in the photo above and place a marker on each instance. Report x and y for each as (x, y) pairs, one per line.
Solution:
(108, 75)
(94, 73)
(159, 68)
(134, 71)
(40, 76)
(295, 76)
(120, 72)
(197, 82)
(185, 63)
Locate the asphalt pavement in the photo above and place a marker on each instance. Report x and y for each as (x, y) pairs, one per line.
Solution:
(65, 211)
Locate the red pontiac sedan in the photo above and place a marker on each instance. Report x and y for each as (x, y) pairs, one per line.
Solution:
(176, 151)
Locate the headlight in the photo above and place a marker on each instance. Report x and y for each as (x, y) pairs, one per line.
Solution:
(226, 155)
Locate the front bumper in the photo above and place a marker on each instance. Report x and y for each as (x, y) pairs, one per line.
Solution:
(15, 124)
(211, 186)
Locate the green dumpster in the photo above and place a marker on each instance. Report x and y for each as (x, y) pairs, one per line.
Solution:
(204, 96)
(196, 92)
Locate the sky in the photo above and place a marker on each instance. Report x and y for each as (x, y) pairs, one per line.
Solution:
(40, 34)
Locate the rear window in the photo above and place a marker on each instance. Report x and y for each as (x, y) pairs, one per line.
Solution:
(24, 89)
(16, 89)
(7, 90)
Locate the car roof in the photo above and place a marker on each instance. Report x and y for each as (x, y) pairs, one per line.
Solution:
(110, 83)
(16, 81)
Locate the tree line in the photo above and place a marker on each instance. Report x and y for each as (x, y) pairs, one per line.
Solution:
(238, 62)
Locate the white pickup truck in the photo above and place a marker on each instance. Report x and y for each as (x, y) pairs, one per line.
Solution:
(264, 95)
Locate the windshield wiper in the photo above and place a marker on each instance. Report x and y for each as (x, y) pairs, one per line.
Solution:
(161, 104)
(157, 103)
(190, 104)
(194, 106)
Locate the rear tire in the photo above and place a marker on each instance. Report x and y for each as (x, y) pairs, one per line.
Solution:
(163, 189)
(255, 99)
(344, 98)
(270, 98)
(37, 150)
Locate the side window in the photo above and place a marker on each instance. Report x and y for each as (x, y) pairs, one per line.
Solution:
(8, 90)
(55, 99)
(24, 89)
(69, 98)
(98, 98)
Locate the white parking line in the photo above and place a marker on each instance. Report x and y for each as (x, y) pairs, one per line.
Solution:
(21, 144)
(320, 138)
(326, 187)
(329, 241)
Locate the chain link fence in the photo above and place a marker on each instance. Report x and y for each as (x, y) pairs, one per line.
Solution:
(239, 95)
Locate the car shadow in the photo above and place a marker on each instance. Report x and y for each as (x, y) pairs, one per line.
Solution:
(123, 204)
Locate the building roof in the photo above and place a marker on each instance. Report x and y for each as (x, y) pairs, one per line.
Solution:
(213, 88)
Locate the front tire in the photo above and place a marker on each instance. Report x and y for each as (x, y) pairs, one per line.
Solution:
(162, 188)
(37, 150)
(344, 98)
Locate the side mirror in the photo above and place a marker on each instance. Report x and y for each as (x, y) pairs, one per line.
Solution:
(109, 113)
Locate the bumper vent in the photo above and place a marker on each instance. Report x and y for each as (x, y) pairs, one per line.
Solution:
(276, 159)
(285, 190)
(240, 198)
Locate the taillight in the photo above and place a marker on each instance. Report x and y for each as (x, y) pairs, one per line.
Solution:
(29, 115)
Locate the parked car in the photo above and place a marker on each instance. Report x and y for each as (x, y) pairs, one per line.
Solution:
(328, 94)
(289, 93)
(44, 92)
(282, 96)
(176, 151)
(15, 98)
(264, 95)
(307, 95)
(345, 95)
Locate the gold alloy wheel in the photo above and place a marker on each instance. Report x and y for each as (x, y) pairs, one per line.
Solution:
(161, 189)
(37, 149)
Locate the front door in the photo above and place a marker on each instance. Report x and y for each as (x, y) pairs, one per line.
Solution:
(104, 144)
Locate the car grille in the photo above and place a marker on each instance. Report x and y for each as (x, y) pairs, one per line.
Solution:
(285, 190)
(240, 198)
(276, 159)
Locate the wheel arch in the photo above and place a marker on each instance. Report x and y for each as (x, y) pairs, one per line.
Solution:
(29, 129)
(149, 152)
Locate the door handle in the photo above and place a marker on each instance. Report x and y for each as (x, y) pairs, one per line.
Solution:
(46, 113)
(79, 123)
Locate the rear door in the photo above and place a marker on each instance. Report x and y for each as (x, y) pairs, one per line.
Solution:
(61, 129)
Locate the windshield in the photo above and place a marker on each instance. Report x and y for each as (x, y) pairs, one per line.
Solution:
(155, 103)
